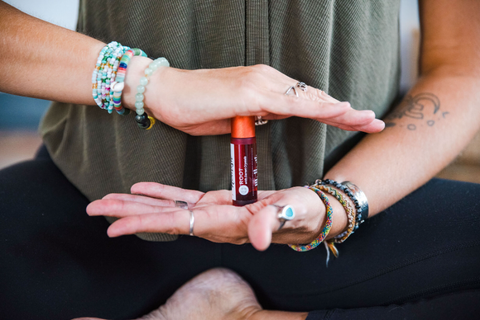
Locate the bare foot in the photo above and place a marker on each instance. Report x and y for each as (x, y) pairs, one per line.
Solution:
(215, 294)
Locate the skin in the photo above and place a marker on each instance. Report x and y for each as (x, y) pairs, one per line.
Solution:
(41, 60)
(386, 166)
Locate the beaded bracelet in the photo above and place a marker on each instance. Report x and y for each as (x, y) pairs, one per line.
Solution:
(118, 85)
(326, 229)
(104, 74)
(351, 213)
(143, 120)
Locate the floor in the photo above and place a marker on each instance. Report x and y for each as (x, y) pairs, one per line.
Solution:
(16, 146)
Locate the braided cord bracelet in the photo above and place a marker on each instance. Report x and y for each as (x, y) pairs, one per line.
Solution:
(326, 229)
(348, 210)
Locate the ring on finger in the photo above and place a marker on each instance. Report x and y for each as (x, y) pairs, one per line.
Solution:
(192, 221)
(259, 121)
(302, 86)
(290, 89)
(181, 204)
(284, 214)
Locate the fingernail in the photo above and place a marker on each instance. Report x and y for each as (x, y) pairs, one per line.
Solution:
(379, 123)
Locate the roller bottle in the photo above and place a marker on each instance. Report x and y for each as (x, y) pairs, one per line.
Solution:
(243, 149)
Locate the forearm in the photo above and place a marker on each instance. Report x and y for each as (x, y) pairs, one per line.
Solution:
(416, 143)
(41, 60)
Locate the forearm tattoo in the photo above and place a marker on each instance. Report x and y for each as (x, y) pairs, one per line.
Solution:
(421, 110)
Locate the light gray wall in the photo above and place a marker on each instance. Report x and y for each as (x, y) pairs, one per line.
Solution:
(410, 43)
(60, 12)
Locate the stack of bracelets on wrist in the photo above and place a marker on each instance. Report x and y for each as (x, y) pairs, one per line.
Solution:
(104, 74)
(108, 81)
(355, 215)
(355, 194)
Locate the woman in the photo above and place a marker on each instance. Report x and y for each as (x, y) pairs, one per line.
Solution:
(348, 50)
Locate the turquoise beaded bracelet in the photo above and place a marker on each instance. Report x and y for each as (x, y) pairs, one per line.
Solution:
(143, 120)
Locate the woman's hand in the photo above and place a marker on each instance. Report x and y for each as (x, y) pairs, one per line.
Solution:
(202, 102)
(151, 208)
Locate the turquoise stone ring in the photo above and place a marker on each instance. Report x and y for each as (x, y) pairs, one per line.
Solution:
(284, 214)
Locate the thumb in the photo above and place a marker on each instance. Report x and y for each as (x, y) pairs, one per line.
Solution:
(261, 227)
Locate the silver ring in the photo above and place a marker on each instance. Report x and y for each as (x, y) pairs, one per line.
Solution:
(181, 204)
(290, 89)
(302, 86)
(259, 121)
(284, 214)
(192, 221)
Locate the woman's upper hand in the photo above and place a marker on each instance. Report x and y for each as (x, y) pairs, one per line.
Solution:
(151, 208)
(202, 102)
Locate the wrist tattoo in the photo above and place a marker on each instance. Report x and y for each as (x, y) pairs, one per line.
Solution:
(422, 109)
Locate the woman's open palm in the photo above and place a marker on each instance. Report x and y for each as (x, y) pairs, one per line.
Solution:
(151, 208)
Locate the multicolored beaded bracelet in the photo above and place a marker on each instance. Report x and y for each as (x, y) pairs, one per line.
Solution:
(326, 229)
(118, 85)
(143, 120)
(105, 72)
(351, 213)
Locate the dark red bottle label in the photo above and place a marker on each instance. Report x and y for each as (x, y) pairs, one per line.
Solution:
(244, 171)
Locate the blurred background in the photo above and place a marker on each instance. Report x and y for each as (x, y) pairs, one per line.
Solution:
(20, 116)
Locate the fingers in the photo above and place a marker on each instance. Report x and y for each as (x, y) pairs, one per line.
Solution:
(292, 106)
(315, 94)
(372, 127)
(120, 208)
(176, 222)
(351, 119)
(316, 104)
(162, 191)
(261, 227)
(338, 114)
(215, 223)
(140, 199)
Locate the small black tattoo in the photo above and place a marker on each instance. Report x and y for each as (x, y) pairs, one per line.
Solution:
(420, 107)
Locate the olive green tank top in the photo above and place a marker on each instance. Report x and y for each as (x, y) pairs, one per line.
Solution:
(350, 49)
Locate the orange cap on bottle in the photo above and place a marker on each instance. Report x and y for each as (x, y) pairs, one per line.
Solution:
(243, 127)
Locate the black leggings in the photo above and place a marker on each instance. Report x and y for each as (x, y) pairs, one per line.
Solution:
(420, 259)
